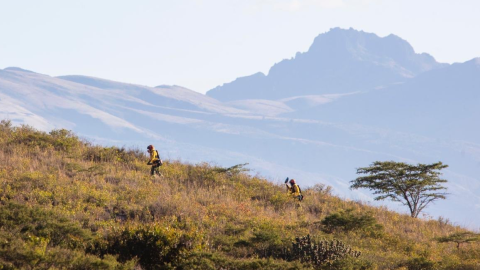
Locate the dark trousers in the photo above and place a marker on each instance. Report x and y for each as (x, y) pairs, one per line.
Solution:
(155, 169)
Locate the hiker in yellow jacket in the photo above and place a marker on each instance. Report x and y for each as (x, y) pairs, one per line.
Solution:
(155, 161)
(294, 190)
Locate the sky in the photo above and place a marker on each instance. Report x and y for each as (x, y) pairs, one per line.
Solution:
(200, 44)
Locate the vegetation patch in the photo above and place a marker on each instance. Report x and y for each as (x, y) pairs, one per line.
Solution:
(68, 204)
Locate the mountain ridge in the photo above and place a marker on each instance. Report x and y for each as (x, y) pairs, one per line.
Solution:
(369, 60)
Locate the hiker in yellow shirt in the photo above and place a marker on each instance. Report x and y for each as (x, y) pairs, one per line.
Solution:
(155, 161)
(294, 190)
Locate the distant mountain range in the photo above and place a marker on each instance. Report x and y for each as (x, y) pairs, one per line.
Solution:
(351, 99)
(367, 61)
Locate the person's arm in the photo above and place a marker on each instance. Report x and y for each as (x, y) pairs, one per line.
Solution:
(152, 156)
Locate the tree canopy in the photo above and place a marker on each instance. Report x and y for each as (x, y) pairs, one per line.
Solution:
(460, 238)
(413, 185)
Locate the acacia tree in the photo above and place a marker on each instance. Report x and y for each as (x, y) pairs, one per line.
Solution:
(460, 238)
(413, 185)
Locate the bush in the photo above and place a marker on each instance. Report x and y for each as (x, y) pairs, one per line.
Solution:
(23, 255)
(351, 263)
(112, 154)
(36, 224)
(155, 246)
(213, 261)
(232, 171)
(31, 237)
(280, 200)
(267, 241)
(419, 263)
(321, 253)
(60, 140)
(347, 221)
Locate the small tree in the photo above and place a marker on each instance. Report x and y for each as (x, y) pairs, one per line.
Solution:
(413, 185)
(460, 238)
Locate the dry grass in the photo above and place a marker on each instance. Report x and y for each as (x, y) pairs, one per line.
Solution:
(101, 188)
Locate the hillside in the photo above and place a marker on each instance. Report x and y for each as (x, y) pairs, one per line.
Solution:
(319, 138)
(68, 204)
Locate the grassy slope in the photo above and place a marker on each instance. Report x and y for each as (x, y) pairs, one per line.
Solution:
(68, 204)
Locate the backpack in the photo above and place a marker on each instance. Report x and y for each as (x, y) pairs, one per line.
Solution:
(300, 198)
(160, 161)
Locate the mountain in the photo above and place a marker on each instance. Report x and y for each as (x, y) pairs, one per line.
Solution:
(441, 103)
(367, 60)
(43, 100)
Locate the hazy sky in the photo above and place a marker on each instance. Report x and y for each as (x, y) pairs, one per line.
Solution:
(200, 44)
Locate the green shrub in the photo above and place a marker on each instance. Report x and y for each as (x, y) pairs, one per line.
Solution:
(24, 255)
(419, 263)
(60, 140)
(31, 237)
(155, 245)
(232, 171)
(321, 253)
(267, 241)
(64, 140)
(350, 263)
(113, 154)
(348, 221)
(280, 200)
(32, 223)
(214, 261)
